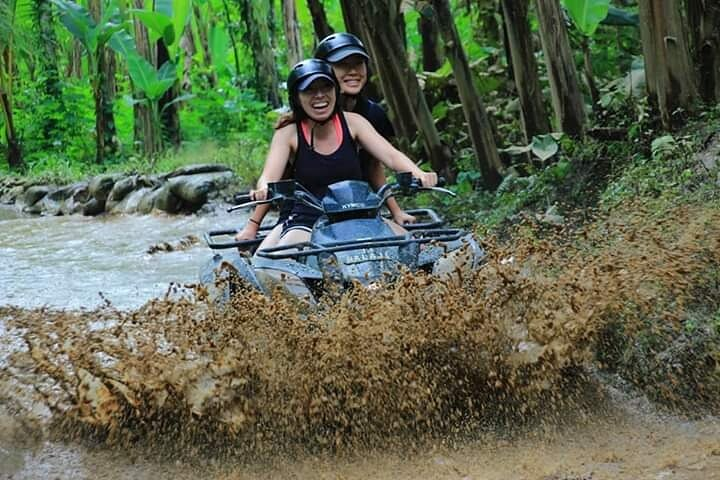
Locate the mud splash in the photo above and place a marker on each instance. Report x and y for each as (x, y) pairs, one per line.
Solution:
(506, 348)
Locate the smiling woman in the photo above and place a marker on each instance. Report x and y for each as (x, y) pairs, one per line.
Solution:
(349, 59)
(317, 145)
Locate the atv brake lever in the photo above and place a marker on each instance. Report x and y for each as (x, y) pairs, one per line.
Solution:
(441, 190)
(254, 203)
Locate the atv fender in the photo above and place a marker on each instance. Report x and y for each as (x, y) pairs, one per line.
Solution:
(464, 254)
(220, 267)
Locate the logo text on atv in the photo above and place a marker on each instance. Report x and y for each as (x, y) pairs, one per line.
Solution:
(365, 257)
(347, 206)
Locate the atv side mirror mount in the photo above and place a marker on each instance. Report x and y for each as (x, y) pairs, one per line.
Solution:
(404, 180)
(285, 188)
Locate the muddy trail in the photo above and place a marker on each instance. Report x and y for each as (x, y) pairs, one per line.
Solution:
(532, 367)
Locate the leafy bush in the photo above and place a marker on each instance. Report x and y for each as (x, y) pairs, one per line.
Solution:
(667, 171)
(225, 115)
(59, 129)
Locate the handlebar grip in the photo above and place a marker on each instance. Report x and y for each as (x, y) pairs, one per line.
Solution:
(242, 198)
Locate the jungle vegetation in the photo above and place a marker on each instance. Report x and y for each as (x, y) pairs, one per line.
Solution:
(479, 90)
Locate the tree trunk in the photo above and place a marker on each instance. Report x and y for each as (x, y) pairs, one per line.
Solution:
(187, 44)
(589, 74)
(202, 30)
(292, 32)
(432, 55)
(74, 66)
(669, 75)
(258, 37)
(319, 19)
(704, 19)
(490, 29)
(519, 38)
(351, 17)
(170, 112)
(398, 19)
(146, 136)
(233, 41)
(48, 44)
(14, 152)
(106, 140)
(354, 25)
(399, 82)
(479, 127)
(566, 97)
(49, 65)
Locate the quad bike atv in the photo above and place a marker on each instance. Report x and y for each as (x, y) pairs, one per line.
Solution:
(351, 243)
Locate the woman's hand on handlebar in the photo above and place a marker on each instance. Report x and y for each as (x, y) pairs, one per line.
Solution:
(403, 218)
(249, 232)
(428, 179)
(259, 194)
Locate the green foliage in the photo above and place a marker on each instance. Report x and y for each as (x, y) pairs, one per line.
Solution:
(587, 14)
(227, 115)
(667, 172)
(153, 83)
(73, 115)
(166, 21)
(543, 147)
(219, 43)
(516, 193)
(158, 24)
(92, 35)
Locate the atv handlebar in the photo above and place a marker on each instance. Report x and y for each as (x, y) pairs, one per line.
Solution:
(406, 184)
(254, 203)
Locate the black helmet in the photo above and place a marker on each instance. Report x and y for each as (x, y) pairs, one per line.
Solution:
(338, 46)
(302, 75)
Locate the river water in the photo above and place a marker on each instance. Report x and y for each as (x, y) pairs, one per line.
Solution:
(386, 385)
(79, 262)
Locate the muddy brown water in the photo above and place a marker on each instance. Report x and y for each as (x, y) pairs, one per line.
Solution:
(489, 375)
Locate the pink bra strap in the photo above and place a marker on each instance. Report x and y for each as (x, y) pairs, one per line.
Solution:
(336, 124)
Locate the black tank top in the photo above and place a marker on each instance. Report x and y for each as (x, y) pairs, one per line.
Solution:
(316, 171)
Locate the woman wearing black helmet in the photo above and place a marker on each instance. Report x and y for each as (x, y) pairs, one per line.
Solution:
(349, 59)
(319, 146)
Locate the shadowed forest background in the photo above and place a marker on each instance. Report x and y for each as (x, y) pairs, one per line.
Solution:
(477, 89)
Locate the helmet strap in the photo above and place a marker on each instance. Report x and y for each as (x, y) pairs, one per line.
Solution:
(312, 130)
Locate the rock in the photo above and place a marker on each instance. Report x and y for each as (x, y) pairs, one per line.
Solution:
(101, 186)
(130, 203)
(197, 169)
(93, 207)
(147, 202)
(193, 189)
(11, 188)
(12, 194)
(60, 194)
(34, 194)
(35, 209)
(180, 191)
(159, 199)
(51, 204)
(75, 201)
(120, 189)
(166, 201)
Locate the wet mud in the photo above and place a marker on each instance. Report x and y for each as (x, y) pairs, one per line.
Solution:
(501, 373)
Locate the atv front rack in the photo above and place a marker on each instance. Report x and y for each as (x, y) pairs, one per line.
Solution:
(429, 219)
(306, 249)
(211, 239)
